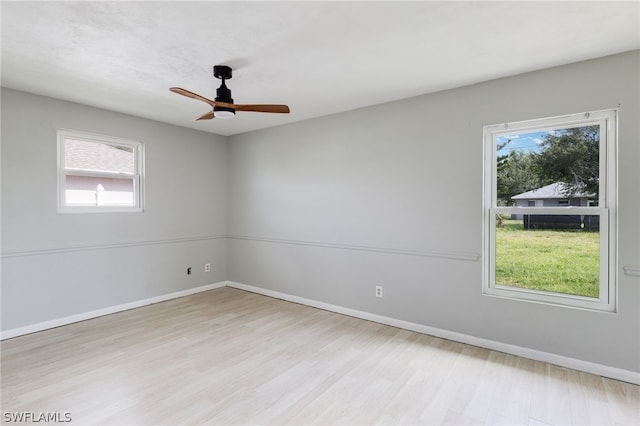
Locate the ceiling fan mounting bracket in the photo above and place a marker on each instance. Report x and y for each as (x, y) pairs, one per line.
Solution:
(223, 72)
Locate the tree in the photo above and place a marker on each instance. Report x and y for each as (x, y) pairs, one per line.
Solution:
(571, 156)
(515, 174)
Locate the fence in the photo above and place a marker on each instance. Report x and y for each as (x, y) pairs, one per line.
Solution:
(540, 221)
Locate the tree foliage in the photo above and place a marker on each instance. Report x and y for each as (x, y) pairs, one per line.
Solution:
(569, 155)
(516, 174)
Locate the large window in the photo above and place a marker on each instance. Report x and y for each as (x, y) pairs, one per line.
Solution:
(98, 173)
(549, 210)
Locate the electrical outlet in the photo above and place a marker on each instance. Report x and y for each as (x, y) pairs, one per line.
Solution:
(378, 291)
(189, 270)
(207, 267)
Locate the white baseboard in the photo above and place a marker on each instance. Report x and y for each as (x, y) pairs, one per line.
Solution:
(560, 360)
(45, 325)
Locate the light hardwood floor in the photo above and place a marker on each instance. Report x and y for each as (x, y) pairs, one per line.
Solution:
(232, 357)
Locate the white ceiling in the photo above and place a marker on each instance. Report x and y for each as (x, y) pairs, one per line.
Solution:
(319, 58)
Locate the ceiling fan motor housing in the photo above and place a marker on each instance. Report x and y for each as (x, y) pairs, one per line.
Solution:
(224, 95)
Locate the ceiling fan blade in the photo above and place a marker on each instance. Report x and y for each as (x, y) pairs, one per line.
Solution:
(280, 109)
(185, 92)
(208, 116)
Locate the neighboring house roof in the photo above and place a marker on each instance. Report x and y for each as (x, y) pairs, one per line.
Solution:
(554, 190)
(87, 155)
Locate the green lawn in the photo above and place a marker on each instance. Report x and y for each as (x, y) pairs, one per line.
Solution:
(549, 260)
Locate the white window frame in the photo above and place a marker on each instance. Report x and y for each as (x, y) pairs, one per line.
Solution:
(606, 210)
(63, 172)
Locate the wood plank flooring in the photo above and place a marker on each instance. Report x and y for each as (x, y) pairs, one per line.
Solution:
(231, 357)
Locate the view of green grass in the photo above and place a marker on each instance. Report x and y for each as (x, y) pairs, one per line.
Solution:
(561, 261)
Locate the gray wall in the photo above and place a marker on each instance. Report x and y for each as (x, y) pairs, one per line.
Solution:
(56, 265)
(392, 195)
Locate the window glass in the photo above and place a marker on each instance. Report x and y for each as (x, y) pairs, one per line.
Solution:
(559, 166)
(99, 191)
(96, 156)
(551, 253)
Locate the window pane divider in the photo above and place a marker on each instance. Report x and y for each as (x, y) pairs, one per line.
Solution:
(95, 173)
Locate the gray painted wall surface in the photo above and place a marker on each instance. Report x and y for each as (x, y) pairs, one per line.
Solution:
(408, 175)
(46, 273)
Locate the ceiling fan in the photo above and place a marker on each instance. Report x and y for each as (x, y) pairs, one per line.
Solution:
(223, 106)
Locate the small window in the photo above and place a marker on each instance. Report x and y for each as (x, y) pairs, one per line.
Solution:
(98, 173)
(550, 199)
